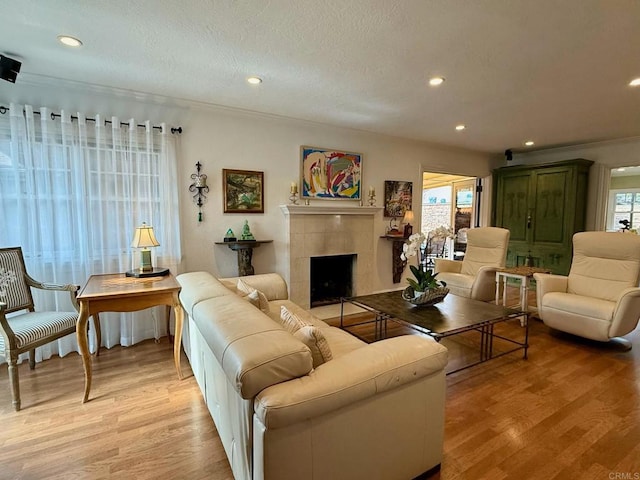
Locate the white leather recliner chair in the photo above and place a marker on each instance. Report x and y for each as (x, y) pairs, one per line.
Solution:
(475, 276)
(600, 298)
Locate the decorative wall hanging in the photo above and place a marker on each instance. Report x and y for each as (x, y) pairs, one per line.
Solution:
(397, 197)
(243, 191)
(199, 188)
(330, 174)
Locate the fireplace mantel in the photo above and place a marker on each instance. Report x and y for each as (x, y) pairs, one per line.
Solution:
(328, 210)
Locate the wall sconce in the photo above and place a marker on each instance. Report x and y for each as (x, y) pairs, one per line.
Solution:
(200, 188)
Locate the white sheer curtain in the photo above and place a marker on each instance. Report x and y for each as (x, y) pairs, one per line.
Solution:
(72, 192)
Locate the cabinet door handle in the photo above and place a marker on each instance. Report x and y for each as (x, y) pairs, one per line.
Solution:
(529, 219)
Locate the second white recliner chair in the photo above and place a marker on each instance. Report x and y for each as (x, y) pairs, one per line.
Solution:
(475, 276)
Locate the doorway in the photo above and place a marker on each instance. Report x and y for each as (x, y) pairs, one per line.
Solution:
(449, 201)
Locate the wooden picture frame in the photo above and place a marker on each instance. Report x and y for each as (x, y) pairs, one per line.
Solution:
(398, 197)
(330, 174)
(243, 191)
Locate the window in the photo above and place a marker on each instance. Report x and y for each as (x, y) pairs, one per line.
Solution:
(623, 205)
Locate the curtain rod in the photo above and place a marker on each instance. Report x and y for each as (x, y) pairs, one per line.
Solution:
(174, 130)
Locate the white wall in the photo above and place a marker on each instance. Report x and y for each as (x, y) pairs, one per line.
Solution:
(220, 138)
(607, 155)
(229, 139)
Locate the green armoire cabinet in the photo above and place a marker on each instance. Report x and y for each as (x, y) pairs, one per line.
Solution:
(542, 206)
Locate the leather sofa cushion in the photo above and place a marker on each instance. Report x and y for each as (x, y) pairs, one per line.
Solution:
(254, 351)
(199, 286)
(341, 342)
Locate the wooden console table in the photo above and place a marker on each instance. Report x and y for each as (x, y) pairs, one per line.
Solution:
(397, 264)
(244, 248)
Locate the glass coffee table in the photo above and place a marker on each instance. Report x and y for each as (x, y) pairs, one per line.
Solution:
(453, 316)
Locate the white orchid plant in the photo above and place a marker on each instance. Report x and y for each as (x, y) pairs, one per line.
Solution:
(424, 279)
(413, 243)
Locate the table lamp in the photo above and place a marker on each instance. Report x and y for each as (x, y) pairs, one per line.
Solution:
(145, 238)
(408, 218)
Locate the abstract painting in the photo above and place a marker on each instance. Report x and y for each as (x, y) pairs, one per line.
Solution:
(243, 191)
(397, 197)
(330, 174)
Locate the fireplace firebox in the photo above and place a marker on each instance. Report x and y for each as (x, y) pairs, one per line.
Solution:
(331, 278)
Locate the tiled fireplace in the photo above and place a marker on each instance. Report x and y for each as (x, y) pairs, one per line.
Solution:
(315, 231)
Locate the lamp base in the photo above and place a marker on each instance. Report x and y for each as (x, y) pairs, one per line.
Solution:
(156, 272)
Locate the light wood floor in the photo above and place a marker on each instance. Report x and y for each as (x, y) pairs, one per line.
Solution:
(571, 411)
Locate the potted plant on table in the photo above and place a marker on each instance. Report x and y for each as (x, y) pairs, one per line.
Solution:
(425, 288)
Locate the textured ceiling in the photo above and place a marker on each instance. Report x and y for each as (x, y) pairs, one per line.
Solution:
(555, 71)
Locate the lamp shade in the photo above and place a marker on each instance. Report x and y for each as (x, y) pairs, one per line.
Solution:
(408, 216)
(144, 237)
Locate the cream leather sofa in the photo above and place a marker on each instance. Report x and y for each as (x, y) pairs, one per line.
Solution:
(374, 411)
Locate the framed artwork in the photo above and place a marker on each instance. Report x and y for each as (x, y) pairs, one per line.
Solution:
(330, 174)
(397, 197)
(243, 191)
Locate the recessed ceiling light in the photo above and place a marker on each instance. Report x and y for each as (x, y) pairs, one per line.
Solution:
(635, 82)
(69, 41)
(254, 80)
(460, 127)
(529, 143)
(435, 81)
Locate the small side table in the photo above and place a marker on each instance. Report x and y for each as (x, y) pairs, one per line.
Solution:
(119, 293)
(522, 273)
(244, 248)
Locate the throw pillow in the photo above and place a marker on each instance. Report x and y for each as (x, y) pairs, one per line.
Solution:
(253, 298)
(263, 301)
(290, 321)
(313, 338)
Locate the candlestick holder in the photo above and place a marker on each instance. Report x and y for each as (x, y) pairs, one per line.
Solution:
(372, 199)
(293, 198)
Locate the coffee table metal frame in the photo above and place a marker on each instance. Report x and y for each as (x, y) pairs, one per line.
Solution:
(484, 327)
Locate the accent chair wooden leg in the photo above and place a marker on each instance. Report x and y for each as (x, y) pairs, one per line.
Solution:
(13, 379)
(32, 359)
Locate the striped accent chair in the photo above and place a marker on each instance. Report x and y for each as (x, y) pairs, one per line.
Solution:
(27, 329)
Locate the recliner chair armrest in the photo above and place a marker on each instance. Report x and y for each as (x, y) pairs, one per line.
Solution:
(445, 265)
(627, 312)
(351, 378)
(547, 282)
(484, 285)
